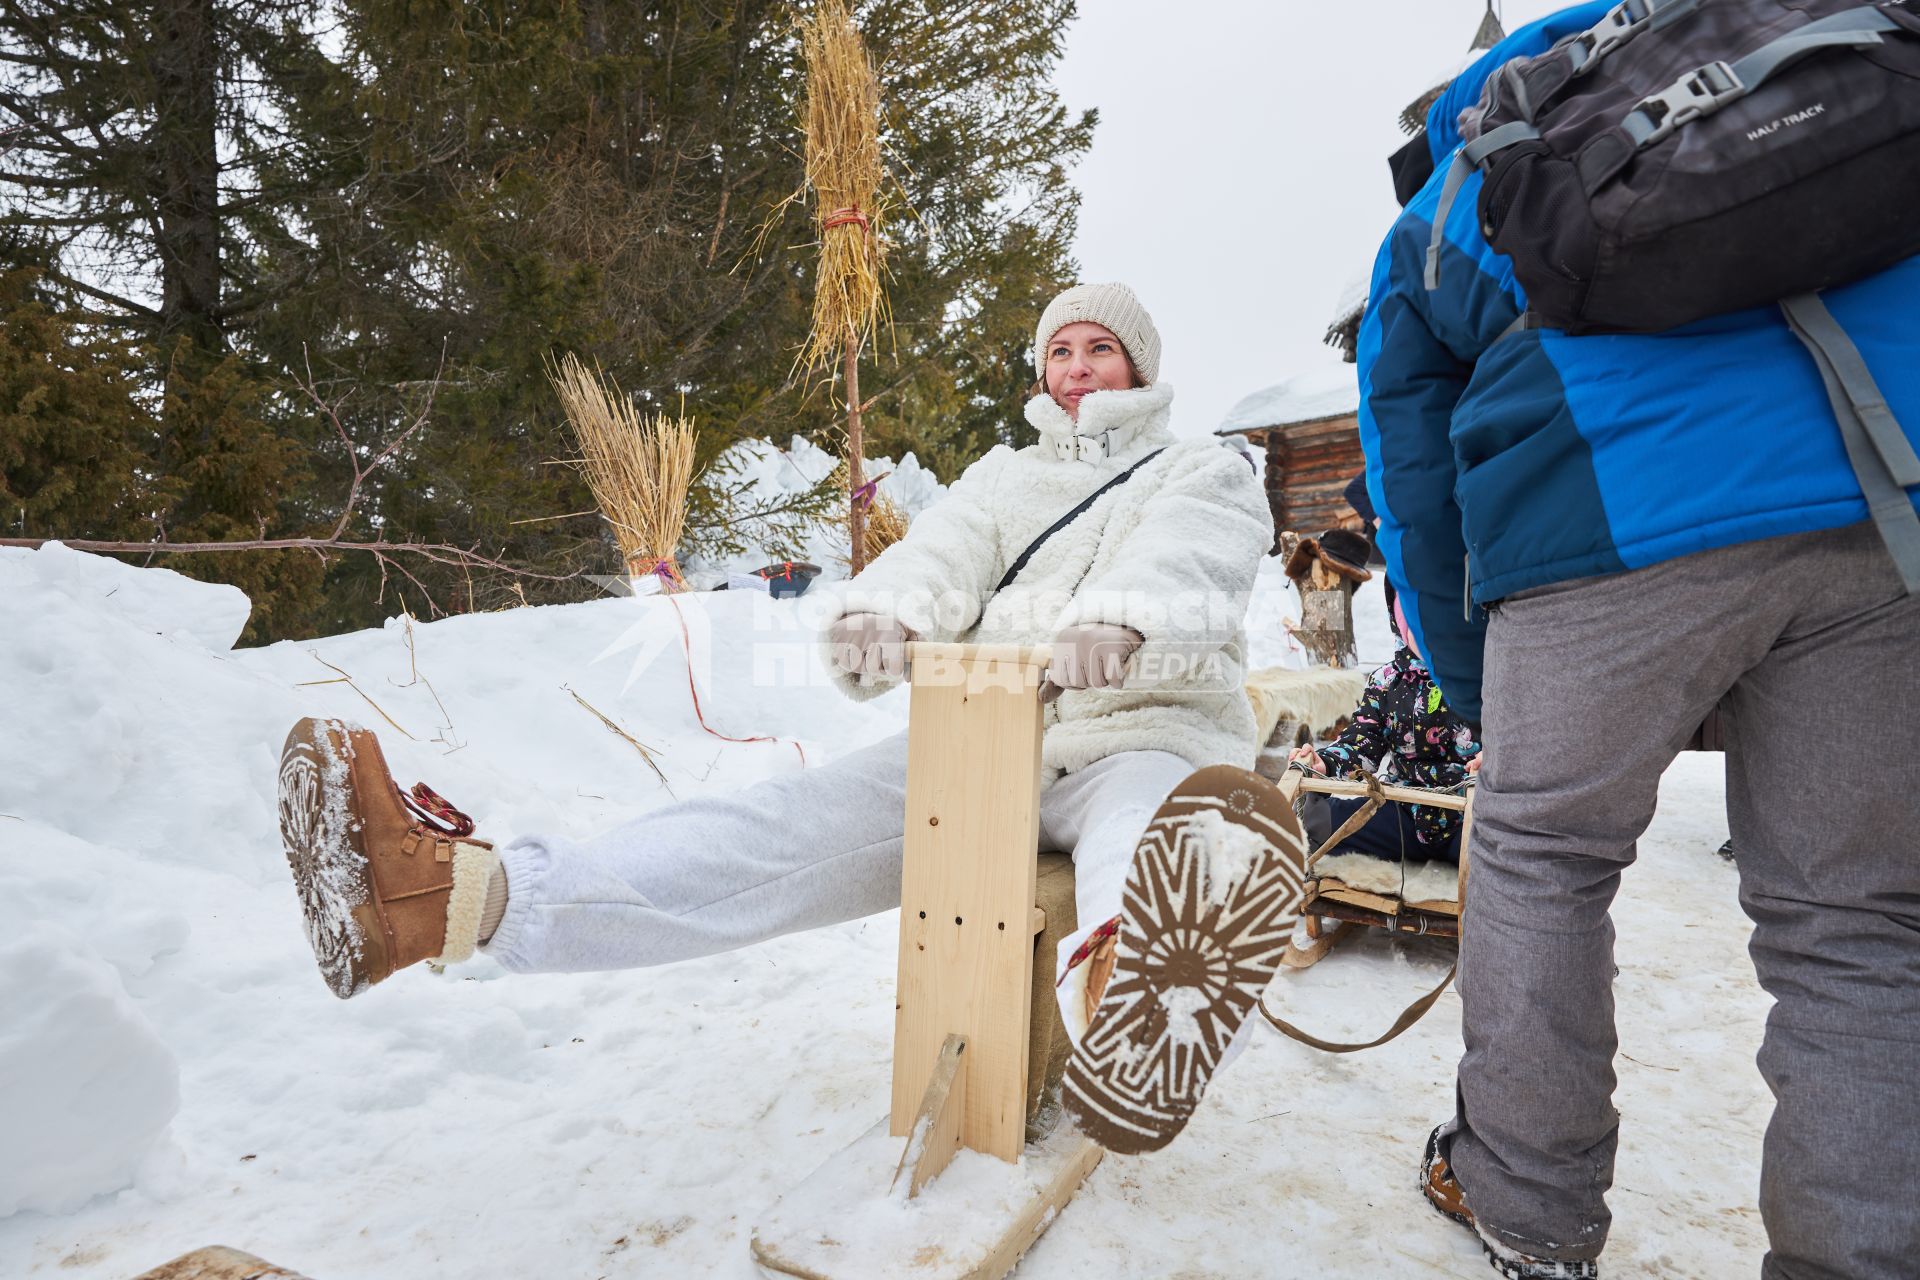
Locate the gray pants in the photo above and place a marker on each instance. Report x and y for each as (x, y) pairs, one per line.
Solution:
(1813, 653)
(794, 852)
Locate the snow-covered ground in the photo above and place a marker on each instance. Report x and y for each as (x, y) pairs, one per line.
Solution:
(173, 1073)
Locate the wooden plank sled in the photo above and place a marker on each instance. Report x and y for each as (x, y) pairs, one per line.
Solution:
(218, 1263)
(963, 1174)
(1332, 901)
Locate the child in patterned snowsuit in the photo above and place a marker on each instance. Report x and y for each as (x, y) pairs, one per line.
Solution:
(1403, 719)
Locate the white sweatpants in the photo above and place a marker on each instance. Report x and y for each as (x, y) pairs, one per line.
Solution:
(794, 852)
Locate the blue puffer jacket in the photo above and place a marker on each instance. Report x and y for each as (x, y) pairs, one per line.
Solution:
(1498, 464)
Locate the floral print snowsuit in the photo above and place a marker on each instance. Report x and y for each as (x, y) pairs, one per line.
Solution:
(1403, 718)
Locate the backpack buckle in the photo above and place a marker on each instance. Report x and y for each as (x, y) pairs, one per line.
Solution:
(1621, 24)
(1696, 94)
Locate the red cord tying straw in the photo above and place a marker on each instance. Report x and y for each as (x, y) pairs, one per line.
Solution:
(848, 217)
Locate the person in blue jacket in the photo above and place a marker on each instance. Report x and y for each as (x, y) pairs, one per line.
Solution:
(1597, 540)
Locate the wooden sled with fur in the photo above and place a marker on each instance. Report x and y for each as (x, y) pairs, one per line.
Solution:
(968, 1168)
(1335, 908)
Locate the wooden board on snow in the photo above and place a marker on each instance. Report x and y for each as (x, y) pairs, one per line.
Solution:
(843, 1223)
(218, 1263)
(967, 884)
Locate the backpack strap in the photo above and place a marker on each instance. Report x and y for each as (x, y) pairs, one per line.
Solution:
(1465, 161)
(1526, 322)
(1535, 82)
(1013, 571)
(1883, 458)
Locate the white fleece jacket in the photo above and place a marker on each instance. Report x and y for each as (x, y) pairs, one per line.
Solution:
(1172, 553)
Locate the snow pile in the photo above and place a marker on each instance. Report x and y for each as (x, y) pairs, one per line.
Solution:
(1305, 397)
(86, 1087)
(768, 474)
(642, 1124)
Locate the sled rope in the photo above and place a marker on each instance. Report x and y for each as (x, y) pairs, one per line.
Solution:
(686, 645)
(1375, 797)
(1410, 1015)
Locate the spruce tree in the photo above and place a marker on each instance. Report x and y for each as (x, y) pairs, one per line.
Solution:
(433, 199)
(73, 433)
(135, 126)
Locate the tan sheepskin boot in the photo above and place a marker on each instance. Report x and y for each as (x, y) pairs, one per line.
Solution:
(386, 878)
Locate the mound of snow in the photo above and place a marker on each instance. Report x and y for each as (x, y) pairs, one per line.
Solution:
(159, 601)
(126, 703)
(86, 1086)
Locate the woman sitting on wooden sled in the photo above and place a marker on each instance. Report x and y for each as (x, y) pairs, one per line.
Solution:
(1404, 733)
(1140, 589)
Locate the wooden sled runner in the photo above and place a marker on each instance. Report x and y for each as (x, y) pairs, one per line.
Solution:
(967, 1170)
(1333, 909)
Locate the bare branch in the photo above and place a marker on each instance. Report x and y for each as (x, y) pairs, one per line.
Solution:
(466, 559)
(436, 552)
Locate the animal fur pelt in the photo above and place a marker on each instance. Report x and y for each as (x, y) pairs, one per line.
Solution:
(1316, 697)
(1425, 881)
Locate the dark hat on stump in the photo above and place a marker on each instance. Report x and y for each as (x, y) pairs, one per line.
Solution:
(1346, 553)
(1341, 550)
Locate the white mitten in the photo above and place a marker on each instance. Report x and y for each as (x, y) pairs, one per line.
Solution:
(872, 646)
(1092, 655)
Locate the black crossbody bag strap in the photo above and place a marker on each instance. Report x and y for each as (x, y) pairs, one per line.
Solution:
(1013, 571)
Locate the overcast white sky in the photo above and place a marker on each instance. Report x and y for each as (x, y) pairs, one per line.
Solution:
(1238, 178)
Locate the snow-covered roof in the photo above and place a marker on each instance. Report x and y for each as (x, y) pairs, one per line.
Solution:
(1353, 294)
(1305, 397)
(1414, 117)
(1343, 335)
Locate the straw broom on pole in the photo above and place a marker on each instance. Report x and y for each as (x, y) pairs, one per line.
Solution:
(844, 168)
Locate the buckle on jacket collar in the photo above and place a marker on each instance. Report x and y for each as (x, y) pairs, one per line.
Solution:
(1079, 448)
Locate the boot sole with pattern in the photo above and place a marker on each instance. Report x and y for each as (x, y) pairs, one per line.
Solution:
(1209, 905)
(320, 829)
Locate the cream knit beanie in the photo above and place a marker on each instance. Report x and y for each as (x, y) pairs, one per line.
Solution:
(1116, 307)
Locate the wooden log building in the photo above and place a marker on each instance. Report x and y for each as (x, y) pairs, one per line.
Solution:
(1308, 429)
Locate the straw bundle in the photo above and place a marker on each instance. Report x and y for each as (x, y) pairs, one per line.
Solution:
(842, 125)
(639, 466)
(844, 168)
(885, 523)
